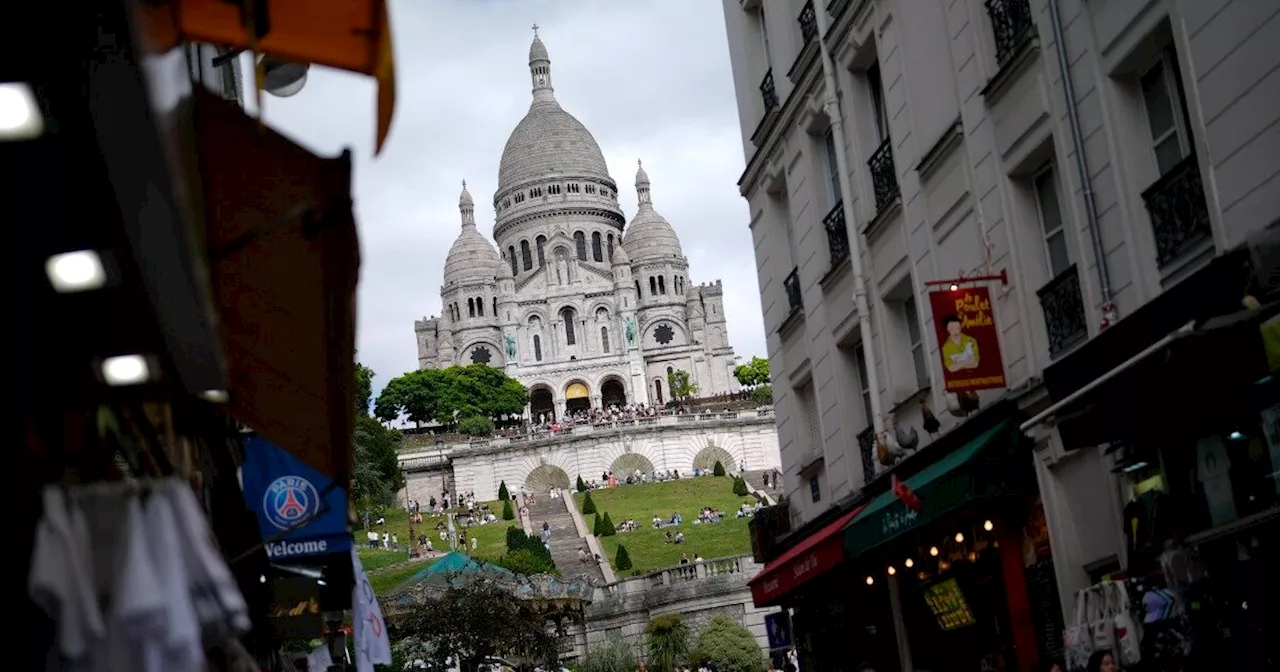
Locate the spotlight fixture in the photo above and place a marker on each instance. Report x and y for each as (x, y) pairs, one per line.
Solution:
(892, 571)
(955, 287)
(933, 550)
(988, 526)
(959, 537)
(125, 370)
(78, 271)
(20, 117)
(870, 580)
(909, 563)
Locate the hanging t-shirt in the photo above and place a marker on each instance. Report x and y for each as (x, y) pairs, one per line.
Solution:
(1213, 470)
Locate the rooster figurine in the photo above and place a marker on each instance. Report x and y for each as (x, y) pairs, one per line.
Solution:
(906, 440)
(930, 423)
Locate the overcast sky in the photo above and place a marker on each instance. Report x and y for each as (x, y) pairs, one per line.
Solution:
(649, 78)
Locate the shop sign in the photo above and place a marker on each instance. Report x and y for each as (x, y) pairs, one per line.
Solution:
(896, 521)
(968, 340)
(301, 512)
(778, 627)
(295, 609)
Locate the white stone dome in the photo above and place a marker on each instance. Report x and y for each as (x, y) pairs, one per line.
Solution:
(649, 236)
(472, 257)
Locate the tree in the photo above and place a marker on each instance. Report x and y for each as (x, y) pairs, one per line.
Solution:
(622, 561)
(364, 388)
(527, 562)
(445, 395)
(582, 486)
(503, 493)
(507, 512)
(729, 646)
(611, 655)
(762, 395)
(740, 487)
(609, 529)
(474, 622)
(667, 642)
(597, 527)
(588, 505)
(753, 373)
(475, 425)
(376, 476)
(718, 470)
(680, 385)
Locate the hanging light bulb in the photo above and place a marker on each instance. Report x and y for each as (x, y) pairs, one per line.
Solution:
(973, 556)
(959, 537)
(988, 526)
(892, 571)
(910, 563)
(933, 550)
(870, 580)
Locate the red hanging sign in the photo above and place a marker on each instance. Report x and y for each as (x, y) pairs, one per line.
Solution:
(968, 340)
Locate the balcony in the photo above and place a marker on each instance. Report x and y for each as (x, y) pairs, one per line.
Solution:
(884, 178)
(808, 23)
(867, 446)
(792, 286)
(1179, 215)
(768, 93)
(1063, 306)
(837, 234)
(808, 53)
(1012, 26)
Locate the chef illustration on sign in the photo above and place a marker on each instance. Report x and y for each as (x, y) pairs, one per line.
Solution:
(959, 350)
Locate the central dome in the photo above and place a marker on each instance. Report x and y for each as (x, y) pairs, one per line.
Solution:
(548, 141)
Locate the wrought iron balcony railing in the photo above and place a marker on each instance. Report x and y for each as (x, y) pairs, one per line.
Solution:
(1011, 24)
(808, 22)
(867, 446)
(837, 234)
(884, 177)
(792, 285)
(1179, 214)
(1064, 316)
(768, 92)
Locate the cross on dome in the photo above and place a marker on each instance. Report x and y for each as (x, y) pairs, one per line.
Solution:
(535, 30)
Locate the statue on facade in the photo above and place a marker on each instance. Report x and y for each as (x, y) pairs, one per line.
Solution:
(511, 347)
(631, 332)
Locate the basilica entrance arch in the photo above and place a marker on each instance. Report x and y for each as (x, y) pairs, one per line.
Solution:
(612, 393)
(541, 401)
(628, 464)
(707, 457)
(542, 479)
(577, 397)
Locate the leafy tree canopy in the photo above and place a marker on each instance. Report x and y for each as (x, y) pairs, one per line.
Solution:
(754, 372)
(376, 476)
(445, 395)
(364, 388)
(474, 622)
(729, 646)
(681, 385)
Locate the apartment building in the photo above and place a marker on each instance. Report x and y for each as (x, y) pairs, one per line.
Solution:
(896, 148)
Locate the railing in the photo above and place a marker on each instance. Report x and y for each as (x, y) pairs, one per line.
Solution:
(837, 234)
(884, 178)
(808, 22)
(768, 92)
(1011, 24)
(1064, 316)
(1179, 215)
(792, 286)
(867, 446)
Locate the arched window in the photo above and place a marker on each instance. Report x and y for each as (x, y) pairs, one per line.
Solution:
(637, 289)
(480, 306)
(604, 339)
(669, 372)
(567, 314)
(662, 285)
(495, 306)
(471, 308)
(611, 247)
(541, 242)
(653, 286)
(537, 348)
(602, 314)
(511, 257)
(657, 387)
(580, 240)
(597, 253)
(525, 255)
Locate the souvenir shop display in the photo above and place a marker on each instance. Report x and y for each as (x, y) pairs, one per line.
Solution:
(1104, 621)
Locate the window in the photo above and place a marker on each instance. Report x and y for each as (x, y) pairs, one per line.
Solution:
(653, 286)
(1166, 112)
(1055, 235)
(526, 255)
(915, 339)
(471, 308)
(567, 314)
(879, 115)
(591, 188)
(580, 240)
(657, 388)
(833, 170)
(637, 289)
(597, 252)
(495, 307)
(537, 348)
(611, 247)
(604, 339)
(520, 198)
(511, 257)
(480, 307)
(860, 358)
(815, 489)
(764, 36)
(541, 242)
(662, 285)
(553, 189)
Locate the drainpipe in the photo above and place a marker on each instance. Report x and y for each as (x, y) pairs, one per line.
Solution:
(831, 105)
(1110, 314)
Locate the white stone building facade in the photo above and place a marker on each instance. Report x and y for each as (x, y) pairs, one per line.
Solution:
(584, 308)
(959, 156)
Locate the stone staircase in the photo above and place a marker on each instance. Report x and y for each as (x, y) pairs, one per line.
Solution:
(755, 479)
(565, 541)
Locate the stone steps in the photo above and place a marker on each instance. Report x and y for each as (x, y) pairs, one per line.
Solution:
(755, 479)
(565, 541)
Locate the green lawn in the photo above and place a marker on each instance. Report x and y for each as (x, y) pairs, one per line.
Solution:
(383, 582)
(374, 560)
(646, 546)
(492, 537)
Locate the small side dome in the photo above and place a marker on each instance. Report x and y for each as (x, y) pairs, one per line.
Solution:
(649, 237)
(471, 257)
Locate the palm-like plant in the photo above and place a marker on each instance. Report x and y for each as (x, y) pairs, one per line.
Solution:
(667, 642)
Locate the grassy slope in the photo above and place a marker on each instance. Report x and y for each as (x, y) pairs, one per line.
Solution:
(646, 546)
(492, 544)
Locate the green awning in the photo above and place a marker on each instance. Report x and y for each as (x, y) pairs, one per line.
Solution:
(985, 467)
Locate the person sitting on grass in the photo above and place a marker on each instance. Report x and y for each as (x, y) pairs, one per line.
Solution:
(670, 539)
(679, 538)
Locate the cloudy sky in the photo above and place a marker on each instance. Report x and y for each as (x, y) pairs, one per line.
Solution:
(649, 78)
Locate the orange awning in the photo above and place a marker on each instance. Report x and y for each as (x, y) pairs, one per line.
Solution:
(283, 259)
(352, 35)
